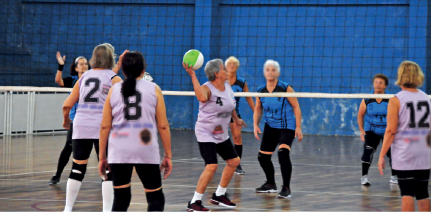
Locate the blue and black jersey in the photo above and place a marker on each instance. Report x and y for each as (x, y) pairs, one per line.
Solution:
(238, 86)
(375, 116)
(69, 82)
(277, 111)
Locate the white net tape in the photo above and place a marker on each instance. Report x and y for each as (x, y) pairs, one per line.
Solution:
(239, 94)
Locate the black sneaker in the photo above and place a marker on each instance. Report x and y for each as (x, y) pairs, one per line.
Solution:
(196, 207)
(267, 188)
(239, 170)
(54, 180)
(284, 193)
(222, 200)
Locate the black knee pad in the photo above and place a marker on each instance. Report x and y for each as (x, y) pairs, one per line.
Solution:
(78, 171)
(421, 190)
(156, 200)
(264, 159)
(122, 198)
(283, 156)
(367, 157)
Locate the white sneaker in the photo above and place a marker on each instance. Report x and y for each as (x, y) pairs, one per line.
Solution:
(364, 180)
(394, 180)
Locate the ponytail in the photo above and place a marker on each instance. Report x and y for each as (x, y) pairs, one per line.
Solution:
(133, 63)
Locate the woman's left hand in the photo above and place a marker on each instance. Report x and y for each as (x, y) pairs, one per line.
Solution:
(381, 165)
(103, 165)
(239, 123)
(298, 134)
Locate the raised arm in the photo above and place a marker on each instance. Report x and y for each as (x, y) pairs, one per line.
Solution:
(249, 99)
(58, 76)
(68, 105)
(391, 130)
(361, 114)
(164, 132)
(117, 67)
(297, 111)
(105, 128)
(257, 116)
(203, 93)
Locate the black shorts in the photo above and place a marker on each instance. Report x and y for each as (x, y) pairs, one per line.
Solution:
(231, 120)
(273, 137)
(81, 148)
(209, 151)
(373, 140)
(414, 183)
(69, 135)
(148, 173)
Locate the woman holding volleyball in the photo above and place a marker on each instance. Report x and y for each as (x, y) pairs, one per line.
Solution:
(216, 108)
(238, 85)
(282, 125)
(406, 135)
(91, 92)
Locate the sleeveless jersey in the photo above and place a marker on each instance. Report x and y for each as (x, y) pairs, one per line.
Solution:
(133, 137)
(238, 86)
(277, 111)
(376, 116)
(409, 149)
(214, 115)
(93, 89)
(73, 111)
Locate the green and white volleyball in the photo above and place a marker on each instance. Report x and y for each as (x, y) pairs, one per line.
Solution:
(194, 58)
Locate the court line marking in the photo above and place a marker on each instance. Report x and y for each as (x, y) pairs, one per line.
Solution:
(132, 203)
(193, 186)
(7, 175)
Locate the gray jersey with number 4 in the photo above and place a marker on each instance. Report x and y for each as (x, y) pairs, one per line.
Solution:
(93, 89)
(133, 137)
(409, 149)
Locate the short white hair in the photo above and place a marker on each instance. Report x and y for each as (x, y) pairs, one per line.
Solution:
(233, 59)
(273, 63)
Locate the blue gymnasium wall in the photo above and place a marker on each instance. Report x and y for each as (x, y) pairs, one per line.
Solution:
(333, 46)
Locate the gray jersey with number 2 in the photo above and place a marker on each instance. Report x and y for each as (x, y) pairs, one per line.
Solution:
(93, 89)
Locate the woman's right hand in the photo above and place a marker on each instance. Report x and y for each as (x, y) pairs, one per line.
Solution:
(60, 59)
(66, 123)
(257, 132)
(189, 69)
(363, 135)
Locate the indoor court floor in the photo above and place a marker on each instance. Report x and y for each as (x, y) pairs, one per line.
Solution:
(326, 177)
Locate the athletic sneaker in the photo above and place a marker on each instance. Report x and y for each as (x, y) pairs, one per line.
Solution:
(364, 180)
(222, 200)
(239, 170)
(54, 180)
(196, 207)
(267, 188)
(284, 193)
(394, 180)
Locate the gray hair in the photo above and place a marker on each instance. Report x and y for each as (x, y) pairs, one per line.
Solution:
(212, 67)
(273, 63)
(103, 57)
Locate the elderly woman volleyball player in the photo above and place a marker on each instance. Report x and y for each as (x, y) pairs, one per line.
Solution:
(282, 125)
(406, 134)
(216, 108)
(91, 92)
(135, 113)
(238, 84)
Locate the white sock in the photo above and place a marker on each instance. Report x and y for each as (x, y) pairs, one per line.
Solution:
(72, 190)
(108, 195)
(220, 191)
(197, 197)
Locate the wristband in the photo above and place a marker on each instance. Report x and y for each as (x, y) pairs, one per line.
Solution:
(60, 67)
